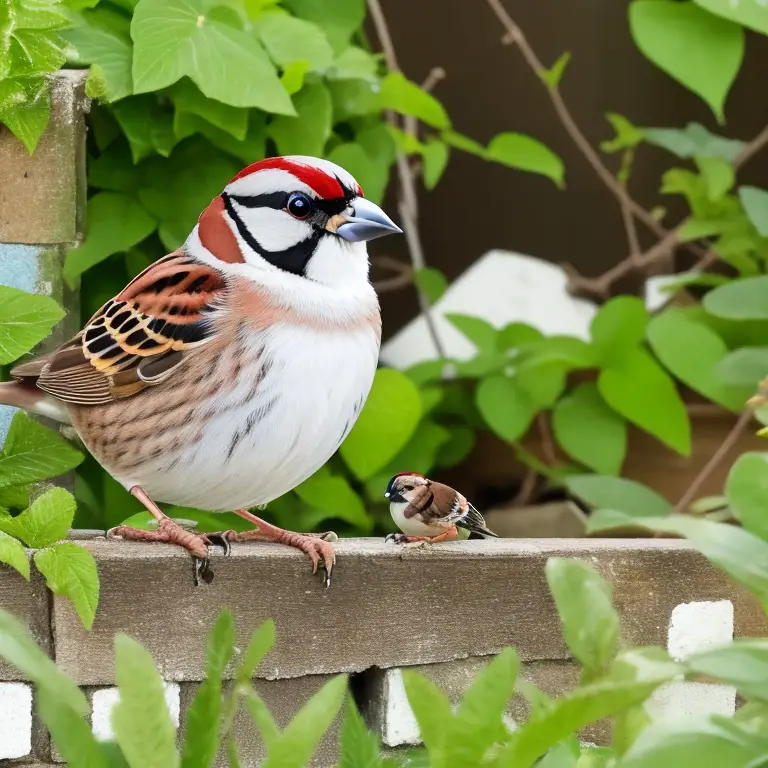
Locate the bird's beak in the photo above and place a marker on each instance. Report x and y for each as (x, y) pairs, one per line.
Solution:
(367, 222)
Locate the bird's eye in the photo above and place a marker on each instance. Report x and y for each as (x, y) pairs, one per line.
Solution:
(407, 487)
(299, 205)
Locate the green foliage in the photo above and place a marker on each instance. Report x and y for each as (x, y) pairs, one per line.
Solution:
(25, 320)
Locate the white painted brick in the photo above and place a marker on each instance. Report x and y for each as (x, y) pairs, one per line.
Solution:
(15, 720)
(400, 726)
(105, 699)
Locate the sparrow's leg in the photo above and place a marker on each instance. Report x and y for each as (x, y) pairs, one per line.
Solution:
(400, 538)
(317, 545)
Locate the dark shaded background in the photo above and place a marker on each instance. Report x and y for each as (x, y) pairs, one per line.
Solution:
(489, 89)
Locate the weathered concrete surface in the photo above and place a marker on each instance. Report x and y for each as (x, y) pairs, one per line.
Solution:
(387, 607)
(29, 602)
(42, 196)
(284, 699)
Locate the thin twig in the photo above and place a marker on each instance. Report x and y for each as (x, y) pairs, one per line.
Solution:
(724, 448)
(752, 148)
(527, 488)
(547, 442)
(408, 204)
(403, 274)
(436, 74)
(631, 230)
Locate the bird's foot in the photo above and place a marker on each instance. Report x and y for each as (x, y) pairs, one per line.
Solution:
(407, 542)
(318, 546)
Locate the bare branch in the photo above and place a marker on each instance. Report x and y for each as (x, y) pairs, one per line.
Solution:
(403, 274)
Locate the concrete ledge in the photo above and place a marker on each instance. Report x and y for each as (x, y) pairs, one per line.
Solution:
(386, 608)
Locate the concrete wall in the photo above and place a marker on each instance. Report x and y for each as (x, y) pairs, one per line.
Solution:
(445, 611)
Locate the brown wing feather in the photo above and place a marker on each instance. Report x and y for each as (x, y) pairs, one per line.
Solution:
(136, 339)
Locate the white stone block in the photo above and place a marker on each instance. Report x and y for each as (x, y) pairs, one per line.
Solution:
(400, 726)
(15, 720)
(105, 699)
(501, 287)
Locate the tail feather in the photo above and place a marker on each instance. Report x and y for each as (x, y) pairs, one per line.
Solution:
(25, 395)
(474, 523)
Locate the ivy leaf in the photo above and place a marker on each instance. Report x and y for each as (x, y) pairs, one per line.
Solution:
(70, 570)
(25, 108)
(173, 38)
(618, 327)
(33, 452)
(701, 51)
(739, 299)
(693, 140)
(306, 133)
(46, 520)
(116, 222)
(692, 351)
(589, 431)
(339, 19)
(141, 721)
(585, 606)
(285, 36)
(147, 126)
(432, 282)
(12, 553)
(401, 95)
(554, 74)
(505, 406)
(755, 202)
(187, 98)
(251, 149)
(25, 320)
(618, 493)
(751, 15)
(642, 392)
(107, 47)
(747, 492)
(388, 420)
(525, 153)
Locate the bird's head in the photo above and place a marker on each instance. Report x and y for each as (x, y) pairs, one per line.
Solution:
(294, 215)
(404, 488)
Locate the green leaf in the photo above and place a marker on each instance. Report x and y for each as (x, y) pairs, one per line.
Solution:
(701, 51)
(543, 382)
(432, 282)
(742, 299)
(525, 153)
(371, 174)
(628, 136)
(109, 48)
(585, 606)
(25, 320)
(358, 747)
(692, 351)
(33, 452)
(694, 140)
(354, 63)
(589, 431)
(260, 644)
(480, 332)
(388, 420)
(516, 335)
(19, 649)
(751, 15)
(70, 732)
(116, 222)
(339, 19)
(298, 741)
(141, 721)
(353, 98)
(432, 711)
(742, 555)
(262, 718)
(619, 327)
(147, 126)
(401, 95)
(478, 723)
(744, 367)
(334, 495)
(293, 76)
(628, 496)
(12, 553)
(755, 202)
(747, 492)
(574, 353)
(287, 39)
(505, 407)
(48, 519)
(554, 74)
(464, 143)
(718, 174)
(25, 108)
(743, 663)
(70, 570)
(435, 155)
(173, 38)
(306, 133)
(188, 98)
(643, 393)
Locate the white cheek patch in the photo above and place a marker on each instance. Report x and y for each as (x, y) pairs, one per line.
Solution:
(273, 230)
(338, 263)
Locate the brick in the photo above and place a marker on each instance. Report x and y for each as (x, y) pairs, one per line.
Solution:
(42, 196)
(284, 699)
(15, 720)
(104, 700)
(28, 602)
(386, 608)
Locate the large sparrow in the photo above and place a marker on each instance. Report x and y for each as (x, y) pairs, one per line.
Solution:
(231, 370)
(428, 512)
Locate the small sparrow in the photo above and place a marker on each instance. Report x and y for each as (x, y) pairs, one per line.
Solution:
(429, 512)
(231, 370)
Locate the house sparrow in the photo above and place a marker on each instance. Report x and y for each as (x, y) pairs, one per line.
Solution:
(427, 511)
(231, 370)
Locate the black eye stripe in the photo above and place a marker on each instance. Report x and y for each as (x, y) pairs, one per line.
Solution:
(278, 201)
